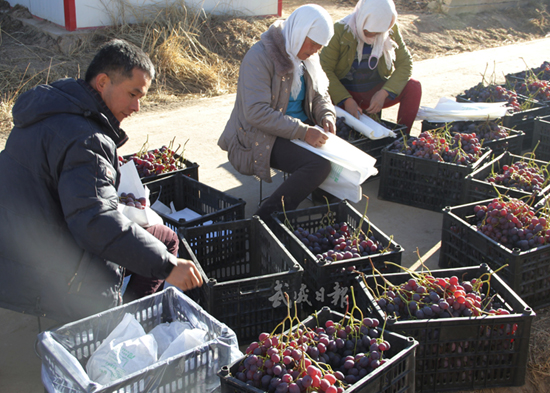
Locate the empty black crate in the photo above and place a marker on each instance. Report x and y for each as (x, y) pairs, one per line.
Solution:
(246, 272)
(542, 137)
(478, 188)
(395, 375)
(423, 183)
(186, 192)
(463, 353)
(328, 282)
(512, 143)
(523, 120)
(527, 273)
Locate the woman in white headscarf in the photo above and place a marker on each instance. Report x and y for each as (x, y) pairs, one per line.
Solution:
(368, 64)
(281, 95)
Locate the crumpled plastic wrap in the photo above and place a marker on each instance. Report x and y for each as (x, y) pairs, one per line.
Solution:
(65, 351)
(448, 110)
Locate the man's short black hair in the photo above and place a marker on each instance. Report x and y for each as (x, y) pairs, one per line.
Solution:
(119, 57)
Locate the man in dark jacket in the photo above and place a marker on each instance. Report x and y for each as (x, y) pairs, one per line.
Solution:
(63, 244)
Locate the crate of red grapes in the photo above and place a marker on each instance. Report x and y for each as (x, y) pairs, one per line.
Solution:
(490, 133)
(207, 204)
(541, 138)
(542, 72)
(333, 242)
(522, 110)
(157, 163)
(372, 147)
(503, 233)
(473, 330)
(512, 175)
(246, 273)
(428, 171)
(327, 352)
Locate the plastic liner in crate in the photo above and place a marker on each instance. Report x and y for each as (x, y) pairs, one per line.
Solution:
(424, 183)
(541, 136)
(373, 147)
(65, 350)
(512, 143)
(189, 168)
(328, 283)
(395, 375)
(246, 273)
(523, 120)
(527, 273)
(185, 192)
(477, 188)
(464, 353)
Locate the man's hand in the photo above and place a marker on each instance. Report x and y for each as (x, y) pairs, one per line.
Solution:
(315, 137)
(352, 108)
(185, 275)
(377, 101)
(328, 125)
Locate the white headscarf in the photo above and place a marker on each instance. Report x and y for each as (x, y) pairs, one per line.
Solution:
(313, 21)
(376, 16)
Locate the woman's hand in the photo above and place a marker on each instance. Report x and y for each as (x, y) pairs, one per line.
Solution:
(352, 108)
(315, 137)
(377, 101)
(185, 275)
(328, 125)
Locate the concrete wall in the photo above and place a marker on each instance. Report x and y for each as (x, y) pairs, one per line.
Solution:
(82, 14)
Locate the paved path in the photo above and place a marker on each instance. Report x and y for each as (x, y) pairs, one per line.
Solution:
(202, 122)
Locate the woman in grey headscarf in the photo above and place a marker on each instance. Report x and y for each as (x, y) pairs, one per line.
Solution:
(369, 65)
(281, 95)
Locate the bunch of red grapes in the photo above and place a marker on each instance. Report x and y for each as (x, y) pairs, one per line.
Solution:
(324, 359)
(542, 72)
(485, 131)
(512, 223)
(521, 175)
(493, 93)
(155, 162)
(441, 146)
(427, 297)
(335, 242)
(131, 200)
(536, 89)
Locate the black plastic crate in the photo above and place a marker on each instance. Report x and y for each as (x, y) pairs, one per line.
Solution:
(424, 183)
(527, 273)
(186, 373)
(512, 143)
(213, 205)
(190, 169)
(329, 282)
(463, 353)
(542, 72)
(523, 120)
(541, 135)
(246, 272)
(477, 188)
(395, 375)
(373, 147)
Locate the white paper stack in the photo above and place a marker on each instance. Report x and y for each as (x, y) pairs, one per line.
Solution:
(448, 110)
(365, 125)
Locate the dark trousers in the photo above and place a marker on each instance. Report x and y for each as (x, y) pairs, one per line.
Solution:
(140, 286)
(408, 100)
(307, 171)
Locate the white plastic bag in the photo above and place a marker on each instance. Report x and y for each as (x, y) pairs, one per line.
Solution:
(350, 167)
(166, 333)
(126, 350)
(448, 110)
(131, 183)
(365, 125)
(188, 339)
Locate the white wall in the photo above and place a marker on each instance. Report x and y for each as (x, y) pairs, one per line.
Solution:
(95, 13)
(52, 10)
